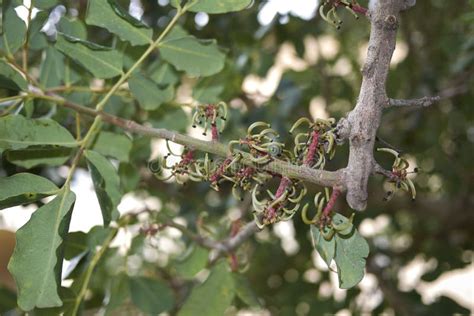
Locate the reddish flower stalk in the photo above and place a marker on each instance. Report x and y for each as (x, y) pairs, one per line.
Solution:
(308, 161)
(234, 230)
(332, 200)
(214, 132)
(272, 211)
(219, 172)
(359, 9)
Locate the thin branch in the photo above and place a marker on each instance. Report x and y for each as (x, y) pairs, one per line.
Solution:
(319, 177)
(378, 169)
(424, 102)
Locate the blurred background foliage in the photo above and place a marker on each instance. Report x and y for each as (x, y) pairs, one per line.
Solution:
(278, 72)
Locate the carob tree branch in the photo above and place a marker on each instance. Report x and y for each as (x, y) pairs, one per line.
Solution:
(359, 127)
(361, 124)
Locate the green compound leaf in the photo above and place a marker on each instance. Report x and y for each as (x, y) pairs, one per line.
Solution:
(113, 145)
(14, 30)
(149, 95)
(17, 132)
(351, 253)
(72, 27)
(36, 262)
(109, 15)
(193, 262)
(163, 74)
(106, 184)
(212, 297)
(150, 295)
(195, 57)
(37, 39)
(325, 248)
(11, 79)
(101, 61)
(219, 6)
(23, 188)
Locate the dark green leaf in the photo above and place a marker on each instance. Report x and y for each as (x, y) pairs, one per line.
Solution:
(163, 74)
(45, 4)
(119, 292)
(212, 297)
(208, 90)
(37, 38)
(113, 145)
(109, 15)
(52, 68)
(150, 295)
(75, 243)
(325, 248)
(17, 132)
(23, 188)
(73, 28)
(14, 30)
(38, 155)
(106, 184)
(194, 262)
(101, 61)
(36, 263)
(11, 79)
(244, 291)
(350, 257)
(129, 176)
(195, 57)
(169, 117)
(219, 6)
(147, 92)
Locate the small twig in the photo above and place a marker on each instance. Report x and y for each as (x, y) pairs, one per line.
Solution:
(378, 169)
(424, 102)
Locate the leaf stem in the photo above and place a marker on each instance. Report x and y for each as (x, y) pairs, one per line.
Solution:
(27, 42)
(87, 276)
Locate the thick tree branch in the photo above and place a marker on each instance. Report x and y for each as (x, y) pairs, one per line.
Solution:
(425, 101)
(363, 122)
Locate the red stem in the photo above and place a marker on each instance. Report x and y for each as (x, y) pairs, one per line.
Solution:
(284, 183)
(312, 148)
(214, 132)
(332, 200)
(219, 172)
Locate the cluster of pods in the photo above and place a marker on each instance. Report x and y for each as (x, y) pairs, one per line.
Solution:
(313, 144)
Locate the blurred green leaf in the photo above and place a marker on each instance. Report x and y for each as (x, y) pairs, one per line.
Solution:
(36, 263)
(170, 117)
(74, 244)
(219, 6)
(113, 145)
(194, 262)
(325, 248)
(208, 90)
(11, 79)
(52, 68)
(119, 292)
(193, 56)
(244, 291)
(150, 295)
(149, 95)
(129, 176)
(212, 297)
(106, 184)
(22, 188)
(101, 61)
(108, 14)
(17, 132)
(37, 39)
(45, 4)
(14, 30)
